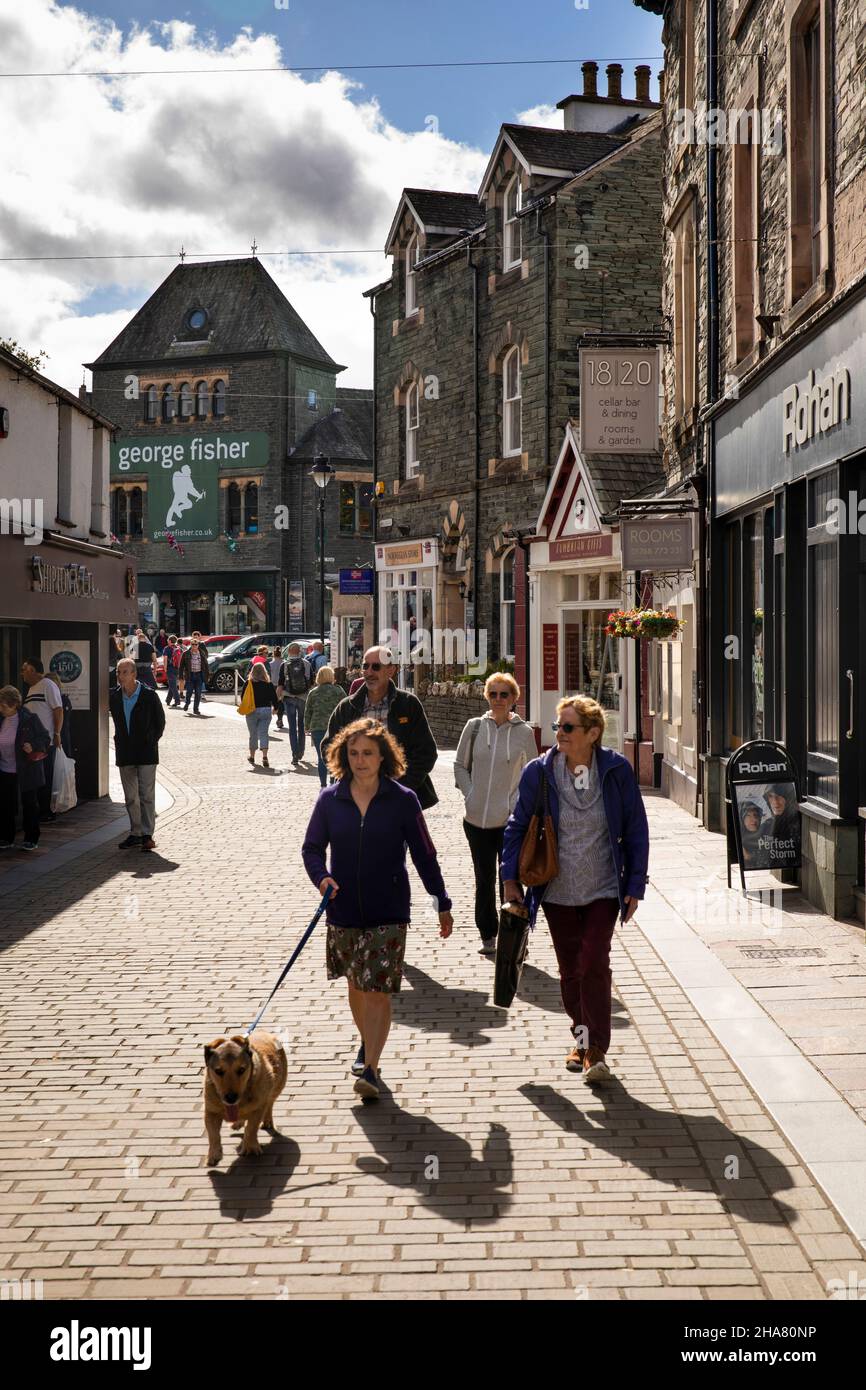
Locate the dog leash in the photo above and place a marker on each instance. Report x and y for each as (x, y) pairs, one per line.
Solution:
(297, 951)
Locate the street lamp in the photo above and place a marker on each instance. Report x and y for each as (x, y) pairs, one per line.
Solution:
(322, 473)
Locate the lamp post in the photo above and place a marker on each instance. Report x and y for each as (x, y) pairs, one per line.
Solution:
(322, 473)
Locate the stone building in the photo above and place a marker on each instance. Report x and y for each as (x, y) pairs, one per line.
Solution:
(214, 385)
(765, 278)
(477, 338)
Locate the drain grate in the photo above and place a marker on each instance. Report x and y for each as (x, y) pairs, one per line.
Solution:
(781, 952)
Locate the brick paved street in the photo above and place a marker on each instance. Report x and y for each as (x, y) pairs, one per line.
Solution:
(487, 1171)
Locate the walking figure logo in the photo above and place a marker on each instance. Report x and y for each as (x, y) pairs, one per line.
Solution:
(184, 492)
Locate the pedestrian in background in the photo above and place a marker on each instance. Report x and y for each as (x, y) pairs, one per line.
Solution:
(173, 656)
(321, 702)
(160, 642)
(492, 752)
(258, 722)
(367, 819)
(145, 661)
(24, 745)
(316, 657)
(43, 699)
(295, 680)
(139, 723)
(275, 665)
(194, 672)
(602, 842)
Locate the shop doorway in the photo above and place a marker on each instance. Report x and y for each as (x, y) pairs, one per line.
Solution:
(14, 646)
(590, 662)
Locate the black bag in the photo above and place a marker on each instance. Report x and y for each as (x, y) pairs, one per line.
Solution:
(296, 676)
(511, 946)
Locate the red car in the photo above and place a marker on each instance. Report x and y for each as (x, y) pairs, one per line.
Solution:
(213, 646)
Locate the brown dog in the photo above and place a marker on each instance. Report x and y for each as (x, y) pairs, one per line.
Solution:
(242, 1078)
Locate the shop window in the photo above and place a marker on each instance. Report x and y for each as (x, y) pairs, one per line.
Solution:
(412, 462)
(150, 404)
(506, 605)
(732, 640)
(512, 239)
(347, 509)
(251, 509)
(365, 509)
(822, 628)
(136, 512)
(169, 403)
(412, 257)
(219, 398)
(753, 618)
(119, 512)
(202, 400)
(233, 508)
(511, 403)
(186, 405)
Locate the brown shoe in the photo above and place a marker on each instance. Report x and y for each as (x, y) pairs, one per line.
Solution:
(574, 1060)
(147, 843)
(595, 1068)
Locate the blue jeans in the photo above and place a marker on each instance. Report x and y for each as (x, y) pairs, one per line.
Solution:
(194, 686)
(317, 735)
(258, 724)
(294, 710)
(171, 679)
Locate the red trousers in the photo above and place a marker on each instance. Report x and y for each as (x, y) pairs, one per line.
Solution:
(581, 939)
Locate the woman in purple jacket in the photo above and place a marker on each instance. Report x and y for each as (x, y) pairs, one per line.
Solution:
(368, 819)
(603, 848)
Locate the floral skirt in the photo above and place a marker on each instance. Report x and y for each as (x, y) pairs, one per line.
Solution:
(370, 960)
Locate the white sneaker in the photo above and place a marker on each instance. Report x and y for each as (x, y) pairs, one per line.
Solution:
(488, 947)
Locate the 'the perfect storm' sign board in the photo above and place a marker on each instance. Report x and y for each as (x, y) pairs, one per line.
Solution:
(764, 824)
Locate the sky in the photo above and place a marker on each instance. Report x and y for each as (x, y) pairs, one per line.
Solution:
(168, 154)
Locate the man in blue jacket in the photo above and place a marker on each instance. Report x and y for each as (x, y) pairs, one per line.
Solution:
(139, 723)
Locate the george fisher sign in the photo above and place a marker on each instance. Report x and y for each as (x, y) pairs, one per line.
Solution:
(183, 477)
(764, 823)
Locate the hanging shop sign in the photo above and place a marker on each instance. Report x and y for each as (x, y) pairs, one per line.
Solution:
(183, 477)
(657, 544)
(358, 581)
(619, 401)
(764, 822)
(70, 663)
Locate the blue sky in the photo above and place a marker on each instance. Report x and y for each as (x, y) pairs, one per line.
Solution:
(137, 167)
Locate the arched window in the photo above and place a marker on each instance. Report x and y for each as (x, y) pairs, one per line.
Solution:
(512, 237)
(187, 404)
(412, 464)
(506, 605)
(219, 397)
(251, 508)
(119, 512)
(150, 404)
(202, 400)
(411, 283)
(136, 512)
(511, 421)
(233, 508)
(169, 403)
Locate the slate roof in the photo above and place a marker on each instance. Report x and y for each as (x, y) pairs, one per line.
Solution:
(617, 476)
(346, 433)
(574, 150)
(458, 211)
(247, 312)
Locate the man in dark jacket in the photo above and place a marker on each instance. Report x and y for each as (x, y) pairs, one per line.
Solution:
(139, 721)
(194, 670)
(402, 714)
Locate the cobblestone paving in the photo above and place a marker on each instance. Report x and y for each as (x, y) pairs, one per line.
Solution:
(487, 1171)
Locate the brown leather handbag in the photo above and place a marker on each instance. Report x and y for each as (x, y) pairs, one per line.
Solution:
(539, 861)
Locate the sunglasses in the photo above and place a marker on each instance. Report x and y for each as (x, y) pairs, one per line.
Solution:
(371, 666)
(499, 694)
(564, 728)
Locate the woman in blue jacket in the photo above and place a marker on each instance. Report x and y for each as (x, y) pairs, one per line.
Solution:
(603, 848)
(368, 819)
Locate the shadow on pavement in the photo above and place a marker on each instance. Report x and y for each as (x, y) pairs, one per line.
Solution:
(248, 1187)
(760, 1174)
(432, 1008)
(153, 863)
(438, 1165)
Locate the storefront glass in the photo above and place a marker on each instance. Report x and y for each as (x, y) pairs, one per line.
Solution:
(591, 664)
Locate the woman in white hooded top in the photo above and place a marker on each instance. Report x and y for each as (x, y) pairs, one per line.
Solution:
(492, 752)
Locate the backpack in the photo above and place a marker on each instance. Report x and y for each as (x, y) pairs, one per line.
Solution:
(177, 656)
(296, 676)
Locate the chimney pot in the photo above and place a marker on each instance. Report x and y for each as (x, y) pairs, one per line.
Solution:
(662, 86)
(642, 82)
(614, 81)
(590, 78)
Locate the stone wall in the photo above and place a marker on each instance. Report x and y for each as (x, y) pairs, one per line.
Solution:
(447, 715)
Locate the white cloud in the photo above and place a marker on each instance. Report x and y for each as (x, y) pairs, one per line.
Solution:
(545, 115)
(144, 164)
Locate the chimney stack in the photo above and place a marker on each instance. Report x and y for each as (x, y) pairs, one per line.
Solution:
(614, 81)
(642, 82)
(590, 78)
(662, 86)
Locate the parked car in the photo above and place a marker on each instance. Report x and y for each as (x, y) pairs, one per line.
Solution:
(239, 656)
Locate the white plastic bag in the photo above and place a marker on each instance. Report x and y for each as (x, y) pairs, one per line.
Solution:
(63, 795)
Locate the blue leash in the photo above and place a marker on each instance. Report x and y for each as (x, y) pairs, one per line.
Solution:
(297, 951)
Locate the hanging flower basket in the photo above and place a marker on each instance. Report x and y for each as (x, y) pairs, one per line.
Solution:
(643, 622)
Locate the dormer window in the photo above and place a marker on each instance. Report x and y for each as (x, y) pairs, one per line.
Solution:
(412, 257)
(512, 232)
(196, 319)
